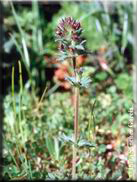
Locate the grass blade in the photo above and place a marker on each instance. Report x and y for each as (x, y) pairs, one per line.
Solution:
(12, 92)
(26, 55)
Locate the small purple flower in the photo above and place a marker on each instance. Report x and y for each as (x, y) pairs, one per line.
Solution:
(68, 33)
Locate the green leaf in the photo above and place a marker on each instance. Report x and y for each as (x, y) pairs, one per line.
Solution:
(102, 148)
(84, 41)
(57, 149)
(79, 47)
(65, 138)
(51, 176)
(63, 56)
(23, 38)
(116, 174)
(101, 76)
(124, 82)
(8, 46)
(85, 82)
(85, 143)
(50, 146)
(125, 32)
(73, 81)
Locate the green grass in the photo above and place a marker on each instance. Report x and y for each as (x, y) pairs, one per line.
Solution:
(32, 130)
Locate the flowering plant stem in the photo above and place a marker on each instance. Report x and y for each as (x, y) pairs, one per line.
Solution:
(76, 110)
(71, 45)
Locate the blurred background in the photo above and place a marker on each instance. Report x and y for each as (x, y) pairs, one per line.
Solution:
(38, 101)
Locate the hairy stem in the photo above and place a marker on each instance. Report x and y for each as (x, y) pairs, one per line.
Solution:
(76, 113)
(74, 163)
(76, 110)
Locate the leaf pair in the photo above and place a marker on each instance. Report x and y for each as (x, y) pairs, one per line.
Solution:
(83, 82)
(79, 143)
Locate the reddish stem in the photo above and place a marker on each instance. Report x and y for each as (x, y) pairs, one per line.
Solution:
(76, 110)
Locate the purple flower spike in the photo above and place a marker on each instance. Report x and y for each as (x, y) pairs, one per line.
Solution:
(68, 35)
(66, 26)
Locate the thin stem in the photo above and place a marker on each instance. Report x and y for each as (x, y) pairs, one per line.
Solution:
(74, 163)
(74, 65)
(76, 110)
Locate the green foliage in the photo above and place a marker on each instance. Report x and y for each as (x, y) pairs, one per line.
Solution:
(101, 76)
(124, 82)
(56, 117)
(28, 40)
(53, 147)
(34, 37)
(102, 148)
